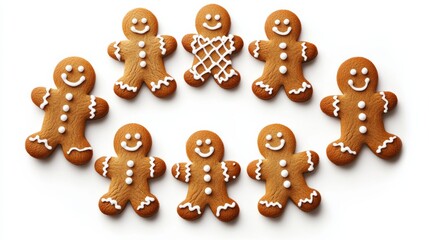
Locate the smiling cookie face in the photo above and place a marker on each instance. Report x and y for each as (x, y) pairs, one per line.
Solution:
(139, 22)
(357, 75)
(133, 139)
(276, 139)
(213, 20)
(74, 73)
(283, 23)
(205, 146)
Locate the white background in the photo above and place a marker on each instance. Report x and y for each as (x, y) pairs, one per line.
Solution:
(53, 199)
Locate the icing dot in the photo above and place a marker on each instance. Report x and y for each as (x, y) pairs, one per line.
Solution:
(142, 54)
(208, 191)
(128, 136)
(207, 178)
(217, 17)
(144, 20)
(63, 117)
(279, 134)
(282, 163)
(286, 184)
(269, 137)
(208, 16)
(61, 129)
(362, 116)
(69, 96)
(277, 22)
(130, 163)
(286, 21)
(364, 71)
(143, 64)
(66, 108)
(283, 69)
(282, 45)
(199, 142)
(206, 168)
(361, 104)
(362, 129)
(284, 173)
(208, 141)
(141, 44)
(81, 69)
(69, 68)
(283, 56)
(128, 180)
(353, 72)
(137, 136)
(129, 172)
(134, 21)
(234, 177)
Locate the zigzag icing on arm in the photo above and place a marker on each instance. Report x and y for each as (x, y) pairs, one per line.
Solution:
(258, 170)
(112, 202)
(266, 87)
(190, 207)
(224, 207)
(270, 204)
(225, 170)
(147, 201)
(343, 148)
(300, 90)
(78, 149)
(335, 105)
(177, 170)
(152, 166)
(161, 44)
(256, 51)
(126, 86)
(45, 99)
(161, 82)
(188, 172)
(310, 162)
(91, 107)
(304, 56)
(308, 200)
(44, 141)
(386, 102)
(106, 166)
(384, 145)
(117, 54)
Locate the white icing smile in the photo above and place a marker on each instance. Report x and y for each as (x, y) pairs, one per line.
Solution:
(280, 146)
(276, 29)
(207, 154)
(135, 30)
(72, 84)
(216, 27)
(358, 89)
(136, 147)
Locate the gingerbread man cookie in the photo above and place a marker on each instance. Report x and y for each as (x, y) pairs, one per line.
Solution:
(212, 48)
(361, 111)
(66, 111)
(283, 172)
(143, 55)
(207, 176)
(130, 172)
(283, 55)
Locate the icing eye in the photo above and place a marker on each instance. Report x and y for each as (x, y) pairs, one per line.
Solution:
(353, 72)
(81, 69)
(69, 68)
(286, 21)
(364, 71)
(199, 142)
(134, 21)
(268, 137)
(137, 136)
(217, 17)
(279, 134)
(144, 20)
(208, 16)
(208, 141)
(128, 136)
(277, 22)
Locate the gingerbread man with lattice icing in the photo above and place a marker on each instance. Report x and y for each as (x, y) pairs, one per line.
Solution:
(130, 173)
(282, 169)
(207, 176)
(283, 55)
(66, 111)
(212, 48)
(361, 111)
(143, 55)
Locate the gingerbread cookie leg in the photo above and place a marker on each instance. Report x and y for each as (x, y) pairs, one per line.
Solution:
(226, 77)
(113, 202)
(161, 84)
(192, 207)
(40, 146)
(273, 203)
(144, 204)
(129, 87)
(265, 88)
(344, 150)
(307, 199)
(225, 208)
(385, 145)
(297, 88)
(195, 80)
(77, 150)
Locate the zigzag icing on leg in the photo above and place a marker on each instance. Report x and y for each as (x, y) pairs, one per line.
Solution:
(224, 207)
(190, 207)
(384, 145)
(112, 202)
(270, 204)
(147, 201)
(307, 200)
(126, 86)
(266, 87)
(344, 149)
(44, 141)
(300, 90)
(161, 82)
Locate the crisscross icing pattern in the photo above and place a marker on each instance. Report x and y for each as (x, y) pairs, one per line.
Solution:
(220, 46)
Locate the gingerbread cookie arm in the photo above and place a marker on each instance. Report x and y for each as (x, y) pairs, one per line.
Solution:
(97, 108)
(259, 49)
(331, 106)
(306, 161)
(308, 51)
(116, 50)
(104, 166)
(230, 170)
(168, 44)
(238, 43)
(187, 42)
(182, 171)
(40, 96)
(389, 100)
(156, 167)
(254, 170)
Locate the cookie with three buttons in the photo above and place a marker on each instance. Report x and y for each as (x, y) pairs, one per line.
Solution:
(283, 55)
(130, 172)
(207, 175)
(67, 109)
(283, 172)
(360, 109)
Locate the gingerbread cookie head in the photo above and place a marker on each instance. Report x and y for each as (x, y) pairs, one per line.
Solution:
(357, 75)
(74, 73)
(283, 24)
(132, 139)
(139, 22)
(276, 139)
(205, 146)
(212, 21)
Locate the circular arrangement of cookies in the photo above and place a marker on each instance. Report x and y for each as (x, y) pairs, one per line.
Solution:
(67, 107)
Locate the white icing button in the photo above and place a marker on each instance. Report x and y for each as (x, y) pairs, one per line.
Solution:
(282, 163)
(282, 45)
(61, 129)
(130, 163)
(286, 184)
(234, 177)
(361, 105)
(362, 129)
(66, 108)
(129, 172)
(63, 117)
(208, 191)
(283, 56)
(207, 178)
(283, 69)
(128, 180)
(206, 168)
(143, 64)
(284, 173)
(69, 96)
(141, 44)
(362, 116)
(142, 54)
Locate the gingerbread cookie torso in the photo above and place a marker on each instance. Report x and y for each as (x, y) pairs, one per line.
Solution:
(67, 109)
(212, 48)
(283, 55)
(130, 172)
(143, 55)
(207, 176)
(361, 111)
(283, 172)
